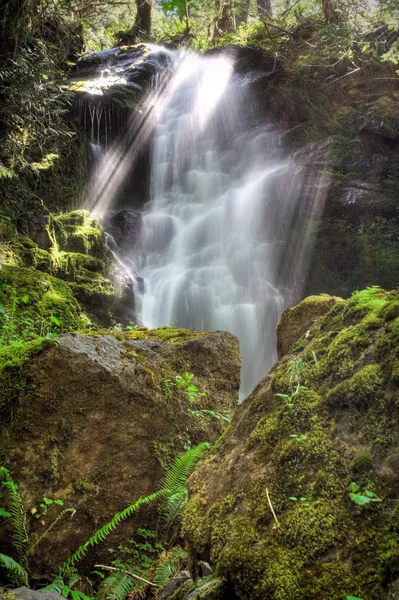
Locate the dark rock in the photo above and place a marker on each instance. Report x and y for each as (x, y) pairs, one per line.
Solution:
(125, 228)
(171, 586)
(24, 593)
(38, 229)
(382, 118)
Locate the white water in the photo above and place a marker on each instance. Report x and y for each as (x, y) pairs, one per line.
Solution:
(208, 261)
(215, 251)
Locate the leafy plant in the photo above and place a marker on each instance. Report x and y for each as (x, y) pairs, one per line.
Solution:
(299, 437)
(45, 506)
(361, 498)
(169, 564)
(16, 569)
(174, 499)
(304, 501)
(189, 388)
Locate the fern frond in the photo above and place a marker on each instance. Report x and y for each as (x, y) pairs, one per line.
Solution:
(15, 572)
(54, 586)
(178, 473)
(173, 507)
(169, 564)
(101, 534)
(53, 524)
(174, 493)
(116, 586)
(19, 534)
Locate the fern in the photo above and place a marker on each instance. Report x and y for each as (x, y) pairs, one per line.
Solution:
(169, 564)
(15, 572)
(118, 585)
(19, 535)
(55, 586)
(53, 524)
(101, 534)
(174, 493)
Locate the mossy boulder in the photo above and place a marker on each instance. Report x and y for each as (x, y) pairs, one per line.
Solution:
(95, 420)
(295, 322)
(298, 500)
(383, 117)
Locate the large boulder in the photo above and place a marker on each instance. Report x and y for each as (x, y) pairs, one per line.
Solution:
(298, 500)
(94, 421)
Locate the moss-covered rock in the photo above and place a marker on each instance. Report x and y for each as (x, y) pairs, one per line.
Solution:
(296, 321)
(30, 294)
(94, 420)
(270, 506)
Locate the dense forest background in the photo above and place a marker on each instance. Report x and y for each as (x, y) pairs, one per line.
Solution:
(41, 41)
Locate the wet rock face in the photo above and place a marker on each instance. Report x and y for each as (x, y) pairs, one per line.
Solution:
(125, 228)
(98, 425)
(297, 499)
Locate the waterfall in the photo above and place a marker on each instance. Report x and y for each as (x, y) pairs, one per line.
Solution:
(216, 249)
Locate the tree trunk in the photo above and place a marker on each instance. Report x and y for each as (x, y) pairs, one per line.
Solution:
(142, 25)
(328, 10)
(264, 8)
(242, 11)
(224, 21)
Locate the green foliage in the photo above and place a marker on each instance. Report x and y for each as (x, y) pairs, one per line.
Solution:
(17, 326)
(45, 506)
(101, 534)
(305, 501)
(33, 105)
(119, 584)
(19, 534)
(168, 565)
(362, 498)
(15, 572)
(174, 498)
(193, 395)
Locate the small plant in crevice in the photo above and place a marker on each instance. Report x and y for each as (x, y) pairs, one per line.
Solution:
(361, 498)
(298, 437)
(305, 501)
(290, 398)
(193, 395)
(295, 370)
(45, 506)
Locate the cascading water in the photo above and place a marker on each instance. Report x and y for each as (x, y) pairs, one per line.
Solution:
(215, 249)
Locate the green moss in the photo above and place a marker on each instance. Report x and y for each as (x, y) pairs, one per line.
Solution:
(46, 296)
(365, 383)
(79, 232)
(16, 355)
(362, 464)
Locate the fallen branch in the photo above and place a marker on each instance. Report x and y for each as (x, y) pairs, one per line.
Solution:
(127, 573)
(271, 507)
